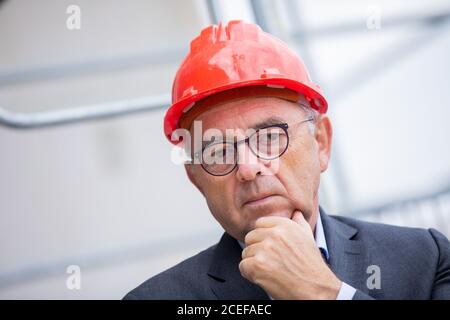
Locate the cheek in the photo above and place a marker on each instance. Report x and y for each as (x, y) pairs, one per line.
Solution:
(300, 170)
(301, 158)
(219, 197)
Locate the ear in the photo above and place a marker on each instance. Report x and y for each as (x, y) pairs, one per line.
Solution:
(190, 171)
(324, 135)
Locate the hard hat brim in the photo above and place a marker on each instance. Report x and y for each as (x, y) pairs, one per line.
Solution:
(311, 92)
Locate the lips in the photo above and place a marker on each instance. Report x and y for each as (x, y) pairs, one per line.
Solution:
(258, 199)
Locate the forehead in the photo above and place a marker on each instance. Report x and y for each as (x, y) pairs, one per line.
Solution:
(248, 113)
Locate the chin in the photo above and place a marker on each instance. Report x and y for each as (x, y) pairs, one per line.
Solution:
(279, 213)
(268, 210)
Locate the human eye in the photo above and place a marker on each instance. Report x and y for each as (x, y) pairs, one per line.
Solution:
(270, 135)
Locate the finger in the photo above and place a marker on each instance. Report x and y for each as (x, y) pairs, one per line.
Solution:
(298, 217)
(250, 251)
(246, 268)
(269, 222)
(256, 235)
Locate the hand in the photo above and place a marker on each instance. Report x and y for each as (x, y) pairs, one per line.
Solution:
(281, 256)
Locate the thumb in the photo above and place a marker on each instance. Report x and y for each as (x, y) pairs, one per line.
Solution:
(298, 217)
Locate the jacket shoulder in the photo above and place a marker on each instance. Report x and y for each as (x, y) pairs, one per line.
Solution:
(186, 280)
(408, 240)
(403, 253)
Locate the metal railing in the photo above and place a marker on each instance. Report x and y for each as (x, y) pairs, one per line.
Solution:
(430, 210)
(84, 113)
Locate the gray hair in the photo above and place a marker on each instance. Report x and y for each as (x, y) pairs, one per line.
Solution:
(310, 113)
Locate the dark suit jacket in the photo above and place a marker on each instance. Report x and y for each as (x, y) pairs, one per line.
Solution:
(413, 264)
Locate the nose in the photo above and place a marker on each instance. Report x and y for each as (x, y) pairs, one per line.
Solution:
(249, 166)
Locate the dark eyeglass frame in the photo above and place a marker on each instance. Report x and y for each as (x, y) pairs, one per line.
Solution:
(283, 126)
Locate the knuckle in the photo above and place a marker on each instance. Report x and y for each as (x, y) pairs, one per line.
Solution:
(260, 222)
(259, 261)
(244, 252)
(246, 270)
(243, 268)
(277, 234)
(250, 236)
(267, 245)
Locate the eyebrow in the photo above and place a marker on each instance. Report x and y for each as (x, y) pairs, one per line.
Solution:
(262, 124)
(268, 122)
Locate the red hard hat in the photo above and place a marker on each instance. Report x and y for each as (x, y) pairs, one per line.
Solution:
(237, 55)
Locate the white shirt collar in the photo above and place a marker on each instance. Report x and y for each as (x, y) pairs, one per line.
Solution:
(319, 235)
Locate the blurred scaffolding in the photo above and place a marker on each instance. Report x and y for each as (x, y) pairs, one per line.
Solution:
(99, 194)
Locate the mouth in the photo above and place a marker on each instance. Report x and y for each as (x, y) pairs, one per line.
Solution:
(257, 201)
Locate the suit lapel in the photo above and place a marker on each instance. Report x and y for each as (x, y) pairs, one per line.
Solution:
(347, 259)
(226, 280)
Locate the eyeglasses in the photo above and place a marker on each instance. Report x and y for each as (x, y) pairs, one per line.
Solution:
(220, 158)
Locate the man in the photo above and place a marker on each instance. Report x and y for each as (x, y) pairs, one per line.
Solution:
(265, 140)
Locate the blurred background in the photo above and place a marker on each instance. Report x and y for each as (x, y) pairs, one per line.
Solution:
(86, 176)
